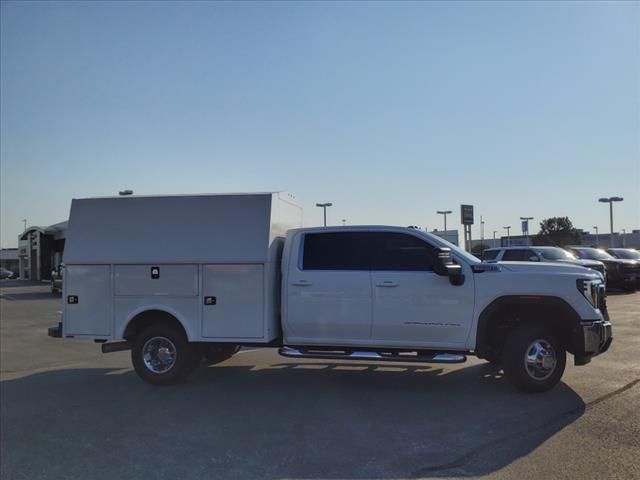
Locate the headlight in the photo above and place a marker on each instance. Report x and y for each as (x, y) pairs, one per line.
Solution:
(592, 290)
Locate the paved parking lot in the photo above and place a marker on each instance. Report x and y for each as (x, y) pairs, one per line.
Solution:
(67, 411)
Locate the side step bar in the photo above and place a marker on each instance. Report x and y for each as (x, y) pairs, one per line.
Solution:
(431, 357)
(115, 347)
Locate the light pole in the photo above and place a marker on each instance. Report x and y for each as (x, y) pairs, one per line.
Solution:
(445, 213)
(508, 228)
(595, 227)
(494, 238)
(610, 201)
(624, 242)
(481, 229)
(324, 207)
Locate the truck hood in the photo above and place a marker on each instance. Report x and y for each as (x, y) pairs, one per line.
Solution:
(547, 267)
(581, 262)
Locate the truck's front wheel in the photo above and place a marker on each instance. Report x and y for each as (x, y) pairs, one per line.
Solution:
(161, 355)
(533, 358)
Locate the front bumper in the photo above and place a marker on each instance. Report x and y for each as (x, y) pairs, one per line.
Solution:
(597, 337)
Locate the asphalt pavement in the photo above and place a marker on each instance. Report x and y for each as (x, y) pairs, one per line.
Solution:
(68, 411)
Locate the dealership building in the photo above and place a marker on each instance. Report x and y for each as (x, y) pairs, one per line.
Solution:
(40, 251)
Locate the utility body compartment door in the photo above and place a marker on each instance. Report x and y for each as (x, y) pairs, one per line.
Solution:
(91, 311)
(233, 301)
(164, 280)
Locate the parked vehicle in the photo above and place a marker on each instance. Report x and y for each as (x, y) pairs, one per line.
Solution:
(178, 278)
(5, 273)
(625, 253)
(56, 280)
(540, 254)
(621, 273)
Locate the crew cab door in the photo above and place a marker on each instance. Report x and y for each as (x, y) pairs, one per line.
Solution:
(412, 306)
(328, 290)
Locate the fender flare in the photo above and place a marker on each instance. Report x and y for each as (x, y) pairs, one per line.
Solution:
(158, 307)
(537, 301)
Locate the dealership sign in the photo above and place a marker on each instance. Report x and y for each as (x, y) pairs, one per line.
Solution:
(466, 214)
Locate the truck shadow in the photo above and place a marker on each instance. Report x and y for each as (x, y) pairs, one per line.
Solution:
(311, 419)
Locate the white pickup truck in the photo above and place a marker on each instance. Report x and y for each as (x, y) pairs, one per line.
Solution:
(178, 278)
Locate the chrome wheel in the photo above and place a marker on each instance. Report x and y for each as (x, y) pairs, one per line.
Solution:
(540, 360)
(159, 354)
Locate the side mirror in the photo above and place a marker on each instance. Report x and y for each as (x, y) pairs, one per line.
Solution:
(533, 258)
(445, 266)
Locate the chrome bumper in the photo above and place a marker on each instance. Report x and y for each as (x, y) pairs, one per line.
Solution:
(597, 337)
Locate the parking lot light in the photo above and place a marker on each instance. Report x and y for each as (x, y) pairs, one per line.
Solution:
(610, 201)
(508, 229)
(445, 213)
(324, 207)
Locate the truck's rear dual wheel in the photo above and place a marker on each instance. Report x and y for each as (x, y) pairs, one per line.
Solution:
(533, 358)
(161, 355)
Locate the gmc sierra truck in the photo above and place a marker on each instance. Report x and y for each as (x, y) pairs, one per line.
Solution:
(178, 278)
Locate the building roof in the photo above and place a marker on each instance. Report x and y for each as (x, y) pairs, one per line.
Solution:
(58, 229)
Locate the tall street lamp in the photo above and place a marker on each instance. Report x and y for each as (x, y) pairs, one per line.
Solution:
(508, 228)
(610, 201)
(445, 213)
(324, 207)
(595, 227)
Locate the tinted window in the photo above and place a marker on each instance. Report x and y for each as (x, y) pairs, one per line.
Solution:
(628, 254)
(593, 254)
(490, 254)
(555, 254)
(337, 251)
(517, 255)
(397, 251)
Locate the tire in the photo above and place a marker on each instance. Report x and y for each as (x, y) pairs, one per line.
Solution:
(529, 372)
(161, 355)
(219, 352)
(493, 359)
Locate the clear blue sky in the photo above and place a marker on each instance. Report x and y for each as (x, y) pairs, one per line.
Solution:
(389, 110)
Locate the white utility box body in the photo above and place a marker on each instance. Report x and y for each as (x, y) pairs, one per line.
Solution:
(210, 261)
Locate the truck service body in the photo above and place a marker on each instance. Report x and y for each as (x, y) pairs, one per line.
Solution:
(176, 278)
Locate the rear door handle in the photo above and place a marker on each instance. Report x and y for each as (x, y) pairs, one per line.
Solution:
(387, 283)
(302, 283)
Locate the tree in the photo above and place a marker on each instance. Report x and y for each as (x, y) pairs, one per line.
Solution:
(557, 231)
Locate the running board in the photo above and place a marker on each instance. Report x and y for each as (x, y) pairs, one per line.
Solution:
(434, 357)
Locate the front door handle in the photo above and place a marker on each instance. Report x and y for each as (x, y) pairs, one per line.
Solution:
(387, 283)
(302, 283)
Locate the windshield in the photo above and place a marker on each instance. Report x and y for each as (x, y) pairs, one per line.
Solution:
(628, 254)
(454, 248)
(594, 254)
(555, 254)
